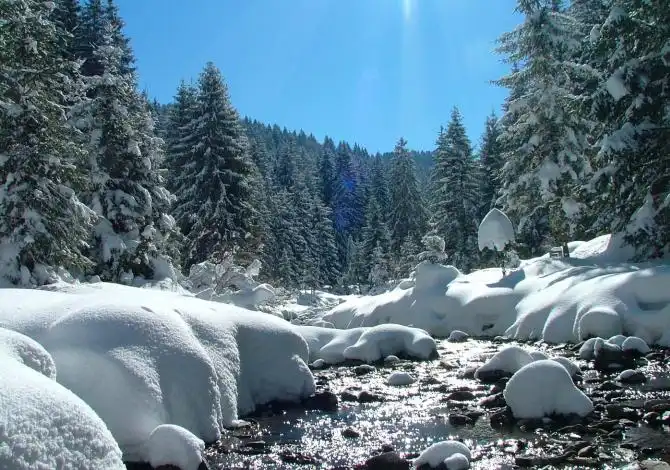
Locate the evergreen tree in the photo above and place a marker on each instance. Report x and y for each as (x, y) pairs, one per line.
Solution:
(327, 172)
(544, 141)
(407, 218)
(42, 222)
(456, 197)
(491, 162)
(225, 220)
(376, 242)
(94, 27)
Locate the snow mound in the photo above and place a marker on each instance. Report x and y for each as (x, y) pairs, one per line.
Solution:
(633, 343)
(458, 336)
(509, 360)
(173, 445)
(366, 344)
(142, 358)
(495, 231)
(43, 424)
(400, 378)
(572, 368)
(544, 388)
(439, 452)
(554, 300)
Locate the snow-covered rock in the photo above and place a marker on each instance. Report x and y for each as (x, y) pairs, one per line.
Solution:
(507, 360)
(543, 388)
(633, 343)
(173, 445)
(439, 452)
(572, 368)
(495, 231)
(458, 336)
(400, 379)
(142, 358)
(43, 424)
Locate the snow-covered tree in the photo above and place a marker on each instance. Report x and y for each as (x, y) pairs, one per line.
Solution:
(545, 137)
(42, 222)
(456, 198)
(491, 163)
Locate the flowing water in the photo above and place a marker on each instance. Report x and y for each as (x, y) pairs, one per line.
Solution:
(410, 418)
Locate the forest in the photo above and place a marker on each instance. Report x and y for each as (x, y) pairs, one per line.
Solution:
(99, 179)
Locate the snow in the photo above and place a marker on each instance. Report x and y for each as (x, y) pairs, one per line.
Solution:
(616, 86)
(437, 453)
(142, 358)
(509, 359)
(495, 231)
(457, 461)
(43, 424)
(544, 388)
(400, 379)
(594, 292)
(173, 445)
(634, 343)
(458, 336)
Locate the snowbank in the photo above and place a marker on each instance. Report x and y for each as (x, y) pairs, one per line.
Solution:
(544, 388)
(570, 299)
(439, 452)
(142, 358)
(42, 424)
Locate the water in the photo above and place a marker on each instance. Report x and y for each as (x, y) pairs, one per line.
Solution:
(410, 419)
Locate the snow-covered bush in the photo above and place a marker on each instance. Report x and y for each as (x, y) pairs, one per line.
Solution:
(434, 249)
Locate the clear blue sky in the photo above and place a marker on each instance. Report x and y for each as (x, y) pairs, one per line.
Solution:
(366, 71)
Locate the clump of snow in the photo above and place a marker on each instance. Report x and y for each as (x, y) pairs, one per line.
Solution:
(142, 358)
(633, 343)
(428, 275)
(616, 87)
(439, 452)
(599, 321)
(44, 425)
(366, 344)
(572, 368)
(318, 364)
(617, 339)
(544, 388)
(456, 461)
(509, 359)
(173, 445)
(391, 359)
(538, 355)
(587, 350)
(496, 231)
(458, 336)
(400, 379)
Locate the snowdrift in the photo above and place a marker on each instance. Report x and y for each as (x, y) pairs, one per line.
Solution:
(589, 294)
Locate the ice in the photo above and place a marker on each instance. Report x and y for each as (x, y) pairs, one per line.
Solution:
(496, 231)
(173, 445)
(544, 388)
(437, 453)
(42, 424)
(400, 379)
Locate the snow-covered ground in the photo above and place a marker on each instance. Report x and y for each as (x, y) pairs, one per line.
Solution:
(592, 293)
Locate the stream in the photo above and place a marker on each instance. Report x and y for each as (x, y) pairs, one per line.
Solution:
(445, 403)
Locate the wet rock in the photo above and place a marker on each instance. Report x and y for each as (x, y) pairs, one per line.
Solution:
(609, 385)
(468, 373)
(502, 419)
(588, 451)
(387, 461)
(461, 395)
(255, 444)
(323, 401)
(364, 369)
(658, 405)
(527, 461)
(609, 357)
(456, 419)
(491, 376)
(631, 377)
(655, 356)
(654, 465)
(350, 433)
(665, 418)
(388, 360)
(368, 397)
(348, 396)
(493, 401)
(297, 458)
(430, 380)
(615, 411)
(652, 417)
(474, 415)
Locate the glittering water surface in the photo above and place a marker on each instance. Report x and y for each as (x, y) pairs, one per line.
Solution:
(412, 417)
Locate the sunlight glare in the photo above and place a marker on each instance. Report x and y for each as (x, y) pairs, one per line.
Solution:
(407, 9)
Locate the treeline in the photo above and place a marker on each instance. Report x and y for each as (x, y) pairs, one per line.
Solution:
(98, 180)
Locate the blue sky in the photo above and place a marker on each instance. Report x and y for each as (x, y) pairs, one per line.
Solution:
(366, 71)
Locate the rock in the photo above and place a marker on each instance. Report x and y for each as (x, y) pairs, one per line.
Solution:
(502, 419)
(630, 376)
(388, 360)
(665, 418)
(651, 417)
(364, 369)
(493, 401)
(387, 461)
(324, 401)
(615, 411)
(318, 364)
(659, 405)
(588, 451)
(255, 445)
(609, 385)
(368, 397)
(468, 373)
(458, 336)
(350, 433)
(608, 357)
(456, 419)
(461, 395)
(526, 461)
(399, 379)
(348, 396)
(491, 376)
(654, 465)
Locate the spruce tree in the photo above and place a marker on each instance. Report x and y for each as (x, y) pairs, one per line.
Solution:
(42, 222)
(456, 197)
(225, 220)
(491, 162)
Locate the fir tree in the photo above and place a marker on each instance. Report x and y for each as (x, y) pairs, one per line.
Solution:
(490, 159)
(42, 222)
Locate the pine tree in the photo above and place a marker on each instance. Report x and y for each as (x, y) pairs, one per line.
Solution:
(94, 26)
(544, 142)
(225, 220)
(42, 222)
(327, 172)
(491, 162)
(407, 218)
(456, 196)
(376, 241)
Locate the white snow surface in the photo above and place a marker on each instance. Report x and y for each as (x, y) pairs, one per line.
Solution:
(495, 231)
(592, 293)
(543, 388)
(173, 445)
(42, 424)
(509, 359)
(142, 358)
(440, 451)
(400, 378)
